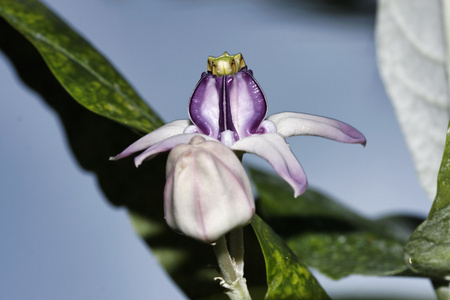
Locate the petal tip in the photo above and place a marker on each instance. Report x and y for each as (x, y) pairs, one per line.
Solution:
(364, 143)
(361, 139)
(357, 136)
(137, 162)
(300, 190)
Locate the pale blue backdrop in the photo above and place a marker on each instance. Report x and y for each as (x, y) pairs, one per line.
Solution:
(60, 239)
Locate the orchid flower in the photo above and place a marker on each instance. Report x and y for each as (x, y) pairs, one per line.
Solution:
(228, 105)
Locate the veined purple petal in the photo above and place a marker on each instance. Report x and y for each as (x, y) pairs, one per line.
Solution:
(229, 102)
(166, 145)
(246, 102)
(207, 193)
(205, 105)
(162, 133)
(273, 148)
(290, 123)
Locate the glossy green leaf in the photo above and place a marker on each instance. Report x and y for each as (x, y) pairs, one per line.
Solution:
(80, 68)
(428, 250)
(287, 276)
(342, 254)
(330, 237)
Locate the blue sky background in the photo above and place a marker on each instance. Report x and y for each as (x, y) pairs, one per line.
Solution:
(62, 240)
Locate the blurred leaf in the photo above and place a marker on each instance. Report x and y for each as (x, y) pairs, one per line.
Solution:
(413, 62)
(338, 255)
(330, 237)
(428, 250)
(287, 276)
(83, 71)
(388, 296)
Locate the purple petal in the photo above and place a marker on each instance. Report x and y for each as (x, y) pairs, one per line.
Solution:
(289, 124)
(205, 105)
(166, 145)
(247, 104)
(164, 132)
(273, 148)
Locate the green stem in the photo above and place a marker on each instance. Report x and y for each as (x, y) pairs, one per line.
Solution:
(224, 260)
(237, 248)
(231, 269)
(442, 289)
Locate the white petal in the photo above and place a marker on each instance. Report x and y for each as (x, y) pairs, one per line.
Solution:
(289, 124)
(273, 148)
(162, 133)
(166, 145)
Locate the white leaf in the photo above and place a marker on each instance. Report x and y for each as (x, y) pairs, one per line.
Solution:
(412, 57)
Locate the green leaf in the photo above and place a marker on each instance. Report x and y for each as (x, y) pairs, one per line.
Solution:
(338, 254)
(287, 276)
(408, 41)
(80, 68)
(330, 237)
(428, 250)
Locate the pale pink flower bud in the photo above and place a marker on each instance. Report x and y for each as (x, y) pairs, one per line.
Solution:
(207, 192)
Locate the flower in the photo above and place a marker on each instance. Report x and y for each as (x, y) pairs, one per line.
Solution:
(228, 105)
(207, 192)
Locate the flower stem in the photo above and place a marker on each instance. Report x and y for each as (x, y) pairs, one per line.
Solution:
(237, 249)
(442, 289)
(224, 260)
(232, 268)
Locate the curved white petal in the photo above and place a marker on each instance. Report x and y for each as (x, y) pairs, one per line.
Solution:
(267, 127)
(290, 123)
(207, 193)
(273, 148)
(162, 133)
(192, 129)
(166, 145)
